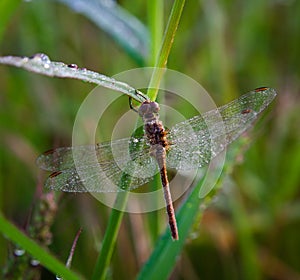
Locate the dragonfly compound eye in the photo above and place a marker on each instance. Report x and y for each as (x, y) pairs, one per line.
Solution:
(144, 108)
(154, 107)
(148, 107)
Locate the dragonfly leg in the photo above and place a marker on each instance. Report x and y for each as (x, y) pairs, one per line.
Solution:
(130, 100)
(131, 105)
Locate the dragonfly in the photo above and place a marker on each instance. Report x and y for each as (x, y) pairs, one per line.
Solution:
(126, 164)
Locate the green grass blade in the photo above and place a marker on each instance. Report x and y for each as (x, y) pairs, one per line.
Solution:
(113, 227)
(168, 40)
(109, 240)
(156, 26)
(155, 19)
(45, 258)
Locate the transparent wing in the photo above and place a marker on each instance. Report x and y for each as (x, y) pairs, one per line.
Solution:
(103, 167)
(196, 141)
(100, 167)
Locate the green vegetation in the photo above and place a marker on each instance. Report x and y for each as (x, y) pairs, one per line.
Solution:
(246, 228)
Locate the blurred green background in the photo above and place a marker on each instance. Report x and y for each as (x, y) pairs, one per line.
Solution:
(252, 229)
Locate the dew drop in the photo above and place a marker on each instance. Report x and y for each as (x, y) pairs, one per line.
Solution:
(73, 66)
(34, 262)
(19, 252)
(41, 57)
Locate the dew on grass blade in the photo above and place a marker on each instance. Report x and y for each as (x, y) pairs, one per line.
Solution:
(42, 64)
(19, 252)
(73, 66)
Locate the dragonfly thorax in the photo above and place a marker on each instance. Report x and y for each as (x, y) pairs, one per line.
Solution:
(149, 111)
(154, 129)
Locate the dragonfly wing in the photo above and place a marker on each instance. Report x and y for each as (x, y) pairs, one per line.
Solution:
(196, 141)
(189, 144)
(63, 157)
(99, 168)
(93, 180)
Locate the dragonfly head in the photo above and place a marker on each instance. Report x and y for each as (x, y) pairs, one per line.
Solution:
(148, 109)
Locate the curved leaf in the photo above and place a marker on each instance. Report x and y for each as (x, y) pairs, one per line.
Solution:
(40, 63)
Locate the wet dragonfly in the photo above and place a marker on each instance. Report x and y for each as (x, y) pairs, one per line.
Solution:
(187, 145)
